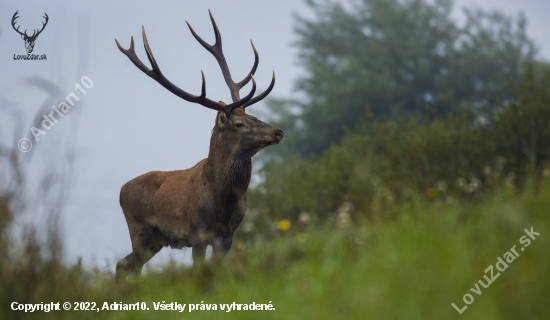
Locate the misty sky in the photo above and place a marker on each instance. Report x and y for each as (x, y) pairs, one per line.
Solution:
(127, 124)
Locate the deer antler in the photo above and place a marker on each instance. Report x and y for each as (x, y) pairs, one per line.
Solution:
(35, 34)
(216, 50)
(13, 24)
(157, 75)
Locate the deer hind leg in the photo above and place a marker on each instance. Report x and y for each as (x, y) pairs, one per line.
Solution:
(144, 254)
(133, 263)
(124, 266)
(145, 244)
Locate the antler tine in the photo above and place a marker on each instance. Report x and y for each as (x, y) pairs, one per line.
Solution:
(262, 95)
(217, 51)
(254, 67)
(157, 75)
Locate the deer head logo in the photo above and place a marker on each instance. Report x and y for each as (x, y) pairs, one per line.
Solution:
(29, 40)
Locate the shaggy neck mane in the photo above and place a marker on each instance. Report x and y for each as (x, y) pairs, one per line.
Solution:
(228, 173)
(229, 168)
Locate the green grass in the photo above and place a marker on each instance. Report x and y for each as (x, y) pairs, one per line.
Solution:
(410, 267)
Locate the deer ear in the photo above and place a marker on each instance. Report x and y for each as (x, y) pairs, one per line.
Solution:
(221, 120)
(23, 36)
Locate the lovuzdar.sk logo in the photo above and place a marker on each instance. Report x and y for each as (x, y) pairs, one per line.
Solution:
(29, 40)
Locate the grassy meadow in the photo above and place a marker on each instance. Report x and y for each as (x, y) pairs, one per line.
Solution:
(410, 267)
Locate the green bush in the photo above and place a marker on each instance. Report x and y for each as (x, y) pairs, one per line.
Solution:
(459, 157)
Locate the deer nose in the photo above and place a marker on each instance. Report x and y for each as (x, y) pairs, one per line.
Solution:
(280, 134)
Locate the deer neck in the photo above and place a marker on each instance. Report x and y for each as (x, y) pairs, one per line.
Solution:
(227, 169)
(228, 175)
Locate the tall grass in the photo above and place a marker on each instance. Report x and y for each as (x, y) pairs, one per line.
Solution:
(412, 267)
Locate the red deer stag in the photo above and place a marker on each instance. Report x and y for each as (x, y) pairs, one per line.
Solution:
(202, 205)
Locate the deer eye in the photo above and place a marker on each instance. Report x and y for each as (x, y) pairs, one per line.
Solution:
(239, 125)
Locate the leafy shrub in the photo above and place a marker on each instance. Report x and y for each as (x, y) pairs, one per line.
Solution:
(388, 161)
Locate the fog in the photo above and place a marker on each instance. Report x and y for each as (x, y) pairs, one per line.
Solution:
(126, 124)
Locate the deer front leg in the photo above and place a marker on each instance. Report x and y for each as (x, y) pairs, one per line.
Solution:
(199, 252)
(220, 247)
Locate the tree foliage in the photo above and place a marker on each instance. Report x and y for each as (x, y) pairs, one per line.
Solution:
(394, 57)
(459, 157)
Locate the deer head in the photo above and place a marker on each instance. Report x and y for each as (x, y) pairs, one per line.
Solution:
(242, 134)
(29, 40)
